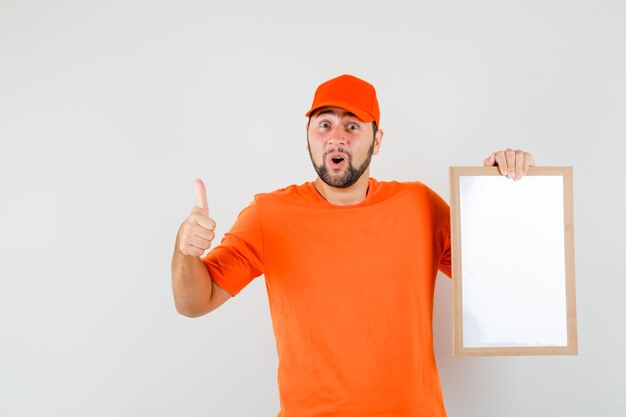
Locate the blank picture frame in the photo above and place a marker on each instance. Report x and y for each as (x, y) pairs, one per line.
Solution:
(513, 262)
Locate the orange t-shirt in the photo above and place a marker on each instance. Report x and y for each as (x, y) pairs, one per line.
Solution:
(350, 292)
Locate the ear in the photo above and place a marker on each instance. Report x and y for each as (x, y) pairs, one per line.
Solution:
(378, 139)
(306, 132)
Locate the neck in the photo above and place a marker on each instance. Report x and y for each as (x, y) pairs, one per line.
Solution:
(348, 196)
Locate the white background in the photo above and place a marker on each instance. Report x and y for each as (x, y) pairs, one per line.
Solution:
(110, 110)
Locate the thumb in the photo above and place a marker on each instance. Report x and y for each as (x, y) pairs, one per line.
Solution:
(201, 197)
(490, 160)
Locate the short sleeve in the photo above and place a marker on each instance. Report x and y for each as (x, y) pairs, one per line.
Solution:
(442, 233)
(238, 259)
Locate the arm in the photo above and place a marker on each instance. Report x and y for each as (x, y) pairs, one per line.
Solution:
(195, 294)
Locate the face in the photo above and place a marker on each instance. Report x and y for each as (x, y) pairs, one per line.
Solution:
(341, 146)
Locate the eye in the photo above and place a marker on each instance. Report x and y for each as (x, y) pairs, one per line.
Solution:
(353, 126)
(324, 124)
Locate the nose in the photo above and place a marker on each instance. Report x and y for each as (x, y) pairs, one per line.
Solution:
(336, 136)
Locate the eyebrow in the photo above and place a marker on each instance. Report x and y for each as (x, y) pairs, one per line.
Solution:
(334, 112)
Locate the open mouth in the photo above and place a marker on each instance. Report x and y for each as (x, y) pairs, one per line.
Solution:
(336, 160)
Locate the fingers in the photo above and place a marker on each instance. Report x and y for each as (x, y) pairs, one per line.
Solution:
(529, 161)
(513, 164)
(194, 246)
(490, 160)
(201, 242)
(509, 155)
(204, 222)
(201, 200)
(196, 233)
(519, 164)
(198, 230)
(501, 162)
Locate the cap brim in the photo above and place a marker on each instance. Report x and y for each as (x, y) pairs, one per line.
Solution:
(362, 115)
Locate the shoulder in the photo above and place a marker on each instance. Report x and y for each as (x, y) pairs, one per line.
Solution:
(413, 194)
(408, 188)
(289, 194)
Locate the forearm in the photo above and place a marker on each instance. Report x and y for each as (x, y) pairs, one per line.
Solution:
(191, 284)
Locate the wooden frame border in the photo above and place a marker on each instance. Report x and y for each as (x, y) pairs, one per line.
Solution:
(457, 301)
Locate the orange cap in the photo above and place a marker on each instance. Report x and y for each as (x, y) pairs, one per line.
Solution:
(350, 93)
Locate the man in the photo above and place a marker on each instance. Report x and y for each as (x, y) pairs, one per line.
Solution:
(349, 263)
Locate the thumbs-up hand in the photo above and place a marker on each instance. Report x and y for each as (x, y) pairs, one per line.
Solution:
(197, 231)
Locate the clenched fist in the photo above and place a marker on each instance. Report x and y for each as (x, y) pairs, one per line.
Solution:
(197, 231)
